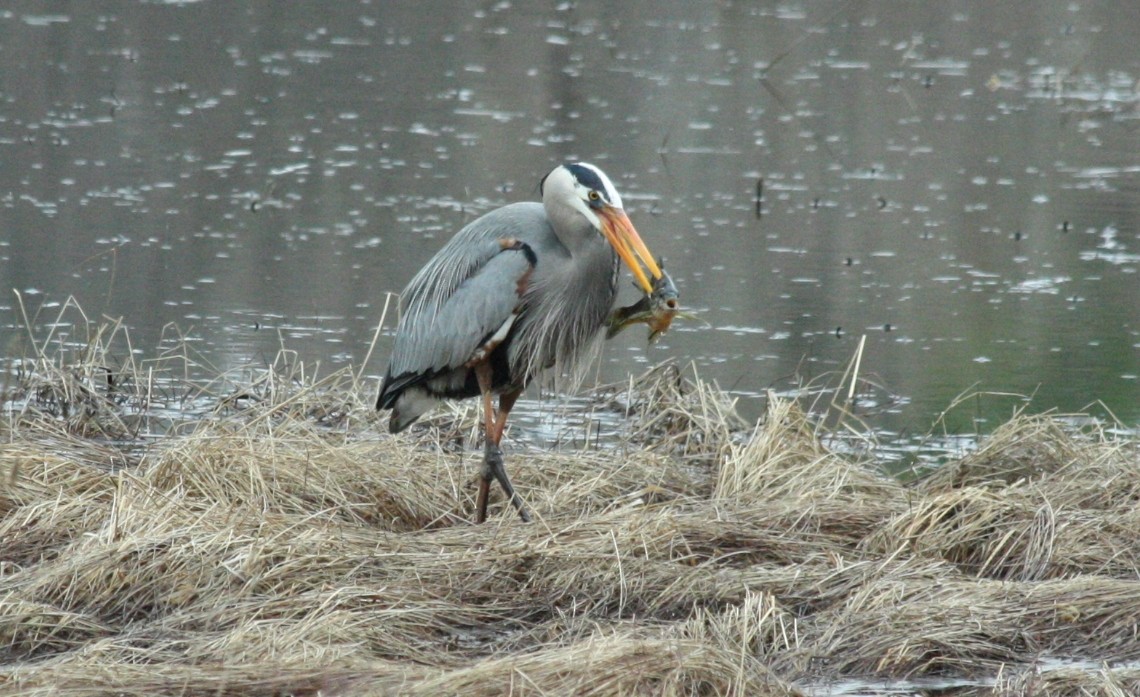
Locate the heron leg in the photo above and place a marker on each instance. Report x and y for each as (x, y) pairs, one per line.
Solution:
(493, 425)
(482, 372)
(506, 403)
(493, 465)
(494, 458)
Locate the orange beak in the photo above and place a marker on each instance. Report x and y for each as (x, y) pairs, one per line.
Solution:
(621, 234)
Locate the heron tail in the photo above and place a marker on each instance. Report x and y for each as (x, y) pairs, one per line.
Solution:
(407, 406)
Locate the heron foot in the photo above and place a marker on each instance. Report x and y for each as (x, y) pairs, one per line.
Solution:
(493, 468)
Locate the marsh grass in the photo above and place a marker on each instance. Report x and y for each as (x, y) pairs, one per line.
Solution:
(276, 541)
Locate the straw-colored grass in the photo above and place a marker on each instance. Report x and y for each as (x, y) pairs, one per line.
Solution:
(281, 542)
(1077, 681)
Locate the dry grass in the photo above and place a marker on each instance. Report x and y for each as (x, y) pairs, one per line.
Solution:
(1078, 681)
(280, 542)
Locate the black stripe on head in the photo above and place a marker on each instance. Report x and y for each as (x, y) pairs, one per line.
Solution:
(593, 178)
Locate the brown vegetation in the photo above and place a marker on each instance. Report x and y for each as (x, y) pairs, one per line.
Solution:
(282, 543)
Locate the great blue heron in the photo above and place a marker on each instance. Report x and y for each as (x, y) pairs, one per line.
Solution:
(521, 289)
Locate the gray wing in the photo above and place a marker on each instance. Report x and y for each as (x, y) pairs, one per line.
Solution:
(439, 336)
(469, 250)
(465, 294)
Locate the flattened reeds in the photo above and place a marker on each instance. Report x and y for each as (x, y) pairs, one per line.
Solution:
(282, 543)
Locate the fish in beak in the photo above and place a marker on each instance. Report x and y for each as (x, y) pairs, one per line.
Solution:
(656, 310)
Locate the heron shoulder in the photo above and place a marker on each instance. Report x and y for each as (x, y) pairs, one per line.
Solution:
(472, 247)
(525, 221)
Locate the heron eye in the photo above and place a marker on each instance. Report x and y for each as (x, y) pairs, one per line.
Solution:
(595, 196)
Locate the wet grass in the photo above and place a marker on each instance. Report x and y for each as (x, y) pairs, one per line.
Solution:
(280, 542)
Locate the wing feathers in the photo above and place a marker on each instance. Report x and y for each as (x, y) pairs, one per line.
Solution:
(444, 330)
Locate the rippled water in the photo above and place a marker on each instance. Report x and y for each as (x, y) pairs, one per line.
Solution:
(956, 182)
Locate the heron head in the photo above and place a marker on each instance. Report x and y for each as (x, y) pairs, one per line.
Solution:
(587, 190)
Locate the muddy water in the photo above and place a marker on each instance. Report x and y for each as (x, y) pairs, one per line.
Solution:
(956, 182)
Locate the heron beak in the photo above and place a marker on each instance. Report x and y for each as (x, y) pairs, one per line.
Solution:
(618, 229)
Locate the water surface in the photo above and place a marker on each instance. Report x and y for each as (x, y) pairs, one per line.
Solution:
(956, 182)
